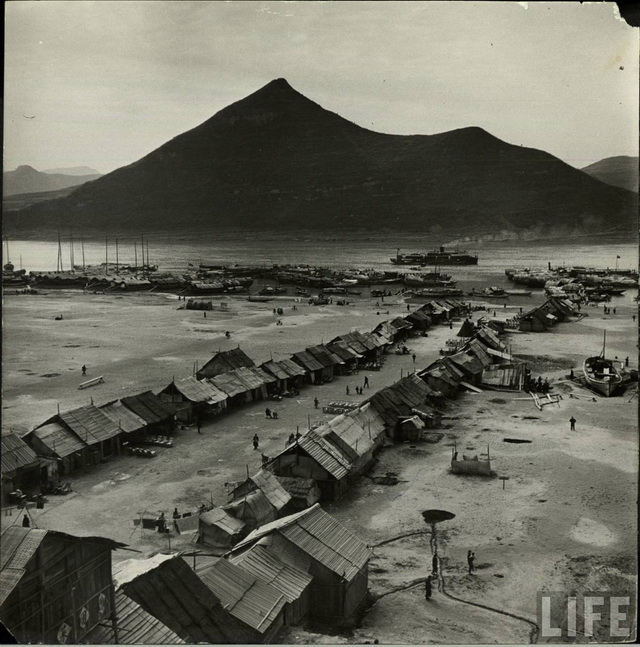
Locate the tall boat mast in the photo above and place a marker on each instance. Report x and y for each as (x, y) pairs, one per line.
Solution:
(59, 264)
(71, 256)
(106, 255)
(148, 264)
(135, 255)
(604, 343)
(83, 263)
(117, 258)
(142, 248)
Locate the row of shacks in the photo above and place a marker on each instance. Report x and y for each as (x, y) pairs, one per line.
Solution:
(287, 561)
(75, 440)
(58, 588)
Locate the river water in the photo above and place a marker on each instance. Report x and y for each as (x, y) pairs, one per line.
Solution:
(175, 253)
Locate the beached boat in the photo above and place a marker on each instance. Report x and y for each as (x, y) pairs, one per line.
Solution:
(490, 293)
(602, 375)
(436, 293)
(518, 293)
(272, 291)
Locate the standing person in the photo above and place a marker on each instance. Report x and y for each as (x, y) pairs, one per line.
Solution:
(161, 523)
(267, 412)
(26, 522)
(347, 390)
(414, 358)
(366, 382)
(199, 426)
(316, 402)
(292, 439)
(176, 514)
(84, 369)
(205, 314)
(428, 588)
(633, 318)
(572, 422)
(256, 441)
(471, 556)
(626, 361)
(408, 308)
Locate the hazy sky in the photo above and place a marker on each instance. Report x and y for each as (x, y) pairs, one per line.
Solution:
(107, 82)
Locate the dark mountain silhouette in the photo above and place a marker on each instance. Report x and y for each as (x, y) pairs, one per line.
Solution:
(25, 179)
(276, 160)
(619, 171)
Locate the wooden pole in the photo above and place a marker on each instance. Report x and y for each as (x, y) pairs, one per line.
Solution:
(117, 258)
(135, 255)
(106, 255)
(84, 267)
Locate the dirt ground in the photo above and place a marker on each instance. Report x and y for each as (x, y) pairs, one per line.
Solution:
(565, 519)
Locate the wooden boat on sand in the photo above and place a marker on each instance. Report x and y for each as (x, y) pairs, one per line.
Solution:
(601, 374)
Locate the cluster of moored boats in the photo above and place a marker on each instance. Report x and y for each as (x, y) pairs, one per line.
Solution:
(579, 284)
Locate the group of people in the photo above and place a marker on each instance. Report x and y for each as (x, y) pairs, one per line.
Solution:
(608, 310)
(359, 390)
(271, 414)
(436, 574)
(535, 386)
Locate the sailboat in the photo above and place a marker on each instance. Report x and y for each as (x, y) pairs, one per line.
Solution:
(601, 374)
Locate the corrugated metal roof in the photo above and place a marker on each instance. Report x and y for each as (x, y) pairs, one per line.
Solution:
(126, 419)
(135, 627)
(324, 356)
(274, 369)
(263, 376)
(148, 406)
(278, 497)
(347, 436)
(199, 390)
(341, 349)
(294, 369)
(330, 458)
(225, 361)
(16, 454)
(222, 519)
(229, 383)
(480, 350)
(365, 339)
(307, 360)
(59, 440)
(353, 343)
(467, 361)
(401, 324)
(91, 424)
(249, 378)
(297, 486)
(176, 596)
(261, 509)
(249, 599)
(289, 581)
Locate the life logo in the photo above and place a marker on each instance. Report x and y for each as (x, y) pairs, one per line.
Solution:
(605, 616)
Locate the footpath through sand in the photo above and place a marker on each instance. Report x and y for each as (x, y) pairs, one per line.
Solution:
(566, 517)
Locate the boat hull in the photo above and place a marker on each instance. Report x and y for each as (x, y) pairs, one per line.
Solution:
(602, 376)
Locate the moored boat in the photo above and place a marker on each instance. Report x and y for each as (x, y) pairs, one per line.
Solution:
(601, 374)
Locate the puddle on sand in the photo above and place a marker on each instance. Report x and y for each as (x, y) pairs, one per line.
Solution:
(588, 531)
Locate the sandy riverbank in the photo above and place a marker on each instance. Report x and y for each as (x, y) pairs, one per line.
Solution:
(566, 517)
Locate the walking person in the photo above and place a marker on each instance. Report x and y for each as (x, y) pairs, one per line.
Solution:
(84, 369)
(471, 556)
(414, 358)
(161, 523)
(366, 382)
(26, 522)
(316, 402)
(572, 422)
(428, 588)
(256, 441)
(347, 390)
(267, 412)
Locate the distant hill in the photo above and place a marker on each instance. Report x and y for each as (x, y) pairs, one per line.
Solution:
(73, 170)
(23, 200)
(278, 161)
(619, 171)
(25, 179)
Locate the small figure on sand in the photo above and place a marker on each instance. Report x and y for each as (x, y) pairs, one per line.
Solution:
(161, 523)
(199, 426)
(572, 422)
(292, 439)
(267, 412)
(366, 382)
(274, 415)
(205, 314)
(626, 361)
(571, 375)
(227, 334)
(471, 556)
(428, 588)
(316, 402)
(414, 358)
(26, 522)
(256, 441)
(347, 390)
(84, 369)
(176, 514)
